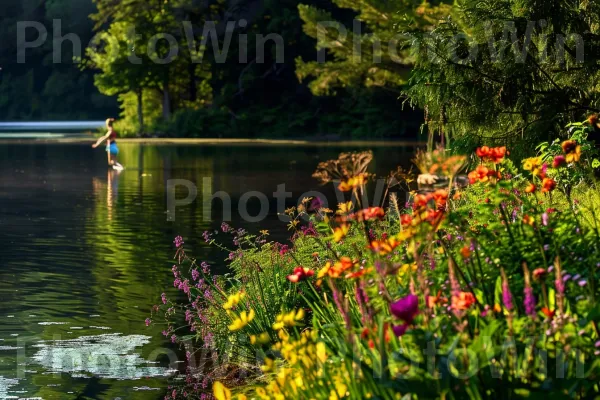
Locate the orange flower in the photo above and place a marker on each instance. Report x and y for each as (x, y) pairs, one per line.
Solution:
(548, 185)
(497, 308)
(368, 214)
(465, 252)
(463, 301)
(358, 274)
(336, 270)
(531, 188)
(528, 220)
(482, 174)
(433, 301)
(440, 197)
(383, 247)
(352, 183)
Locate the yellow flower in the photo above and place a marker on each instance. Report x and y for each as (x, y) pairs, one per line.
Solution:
(268, 366)
(574, 156)
(261, 393)
(352, 183)
(340, 232)
(288, 319)
(345, 208)
(221, 392)
(233, 300)
(243, 320)
(529, 164)
(263, 338)
(321, 352)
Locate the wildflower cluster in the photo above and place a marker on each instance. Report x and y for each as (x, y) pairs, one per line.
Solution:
(486, 292)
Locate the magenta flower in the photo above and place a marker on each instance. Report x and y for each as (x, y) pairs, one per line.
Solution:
(559, 161)
(178, 241)
(406, 308)
(400, 330)
(529, 301)
(148, 321)
(506, 296)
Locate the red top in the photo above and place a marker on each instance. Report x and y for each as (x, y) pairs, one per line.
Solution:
(113, 135)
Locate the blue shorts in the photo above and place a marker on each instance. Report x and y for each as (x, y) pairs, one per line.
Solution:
(112, 149)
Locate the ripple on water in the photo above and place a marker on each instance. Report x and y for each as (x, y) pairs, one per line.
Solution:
(110, 356)
(6, 384)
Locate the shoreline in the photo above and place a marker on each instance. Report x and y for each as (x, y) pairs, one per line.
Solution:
(218, 142)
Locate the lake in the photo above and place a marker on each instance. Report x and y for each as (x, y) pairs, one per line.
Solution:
(87, 251)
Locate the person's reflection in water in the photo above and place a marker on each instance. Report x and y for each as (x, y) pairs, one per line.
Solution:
(112, 189)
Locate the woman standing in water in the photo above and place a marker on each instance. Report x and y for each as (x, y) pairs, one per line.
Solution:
(111, 145)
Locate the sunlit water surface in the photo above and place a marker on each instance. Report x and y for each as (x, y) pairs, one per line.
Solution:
(85, 252)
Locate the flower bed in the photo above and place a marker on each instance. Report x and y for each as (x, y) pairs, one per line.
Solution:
(484, 292)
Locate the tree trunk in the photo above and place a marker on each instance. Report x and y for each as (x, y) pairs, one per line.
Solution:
(140, 110)
(166, 103)
(193, 89)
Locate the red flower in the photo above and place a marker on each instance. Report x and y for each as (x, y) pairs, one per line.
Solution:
(369, 214)
(539, 273)
(406, 219)
(494, 154)
(300, 274)
(548, 185)
(531, 188)
(548, 313)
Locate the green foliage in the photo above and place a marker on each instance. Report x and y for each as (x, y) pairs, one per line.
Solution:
(373, 54)
(508, 71)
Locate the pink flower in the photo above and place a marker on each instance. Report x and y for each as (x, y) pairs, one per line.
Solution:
(559, 161)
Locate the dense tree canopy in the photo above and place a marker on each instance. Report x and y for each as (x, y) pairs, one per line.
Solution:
(510, 69)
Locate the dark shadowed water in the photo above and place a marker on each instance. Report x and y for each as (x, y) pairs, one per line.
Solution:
(85, 252)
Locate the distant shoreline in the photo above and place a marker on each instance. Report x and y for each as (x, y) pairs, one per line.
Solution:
(219, 142)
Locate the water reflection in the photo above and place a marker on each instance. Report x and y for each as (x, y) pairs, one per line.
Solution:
(86, 252)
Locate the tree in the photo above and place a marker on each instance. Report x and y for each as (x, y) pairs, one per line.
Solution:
(502, 71)
(369, 52)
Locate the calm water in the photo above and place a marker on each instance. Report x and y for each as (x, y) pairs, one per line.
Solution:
(85, 253)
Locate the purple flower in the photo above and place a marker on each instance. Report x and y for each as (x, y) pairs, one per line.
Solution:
(400, 330)
(225, 227)
(205, 267)
(506, 296)
(566, 277)
(164, 298)
(195, 274)
(178, 241)
(529, 301)
(148, 321)
(545, 219)
(206, 235)
(173, 339)
(315, 204)
(582, 283)
(406, 308)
